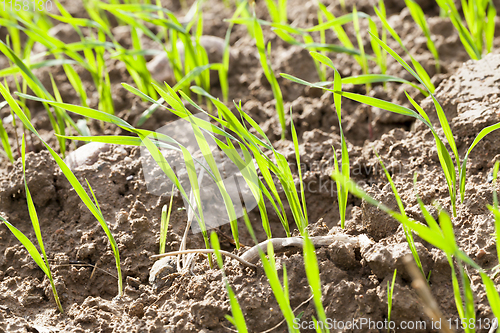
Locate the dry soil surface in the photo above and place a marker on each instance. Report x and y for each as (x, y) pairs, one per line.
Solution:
(354, 282)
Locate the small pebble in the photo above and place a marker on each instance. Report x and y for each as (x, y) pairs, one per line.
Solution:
(161, 270)
(87, 154)
(129, 178)
(490, 177)
(120, 150)
(480, 253)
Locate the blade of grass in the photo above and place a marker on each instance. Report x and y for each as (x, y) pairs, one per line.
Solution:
(334, 22)
(390, 293)
(489, 30)
(408, 233)
(59, 117)
(373, 78)
(299, 168)
(377, 50)
(183, 83)
(337, 99)
(272, 276)
(420, 74)
(72, 179)
(313, 277)
(456, 288)
(36, 228)
(321, 68)
(259, 41)
(358, 79)
(479, 137)
(465, 36)
(165, 219)
(363, 60)
(336, 25)
(310, 45)
(418, 16)
(5, 138)
(238, 319)
(470, 313)
(32, 250)
(443, 154)
(430, 235)
(496, 213)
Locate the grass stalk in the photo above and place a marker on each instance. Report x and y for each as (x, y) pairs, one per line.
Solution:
(268, 72)
(408, 233)
(93, 207)
(32, 250)
(423, 77)
(496, 215)
(5, 138)
(345, 169)
(313, 277)
(43, 263)
(280, 293)
(390, 293)
(363, 59)
(418, 16)
(238, 320)
(165, 219)
(440, 236)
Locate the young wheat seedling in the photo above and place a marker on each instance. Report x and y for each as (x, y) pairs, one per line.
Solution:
(496, 214)
(43, 263)
(268, 72)
(93, 207)
(238, 320)
(390, 292)
(418, 16)
(408, 233)
(441, 236)
(165, 219)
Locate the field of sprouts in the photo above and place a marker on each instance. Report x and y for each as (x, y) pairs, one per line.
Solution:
(249, 166)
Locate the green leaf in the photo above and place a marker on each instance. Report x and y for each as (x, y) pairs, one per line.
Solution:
(379, 103)
(28, 245)
(485, 131)
(419, 17)
(408, 233)
(5, 138)
(491, 294)
(434, 237)
(337, 22)
(259, 41)
(238, 319)
(71, 178)
(313, 277)
(424, 81)
(84, 111)
(489, 30)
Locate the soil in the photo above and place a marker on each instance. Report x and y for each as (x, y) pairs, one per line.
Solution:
(354, 283)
